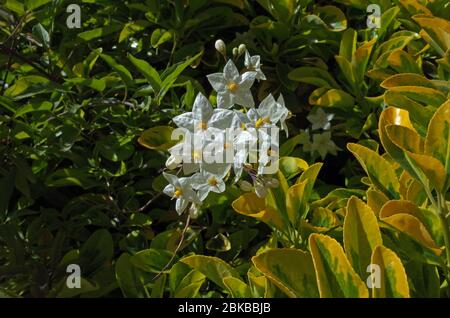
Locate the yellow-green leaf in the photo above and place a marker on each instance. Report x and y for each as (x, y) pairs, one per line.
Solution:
(251, 205)
(158, 138)
(361, 234)
(213, 268)
(375, 200)
(437, 142)
(380, 172)
(237, 288)
(335, 275)
(291, 270)
(295, 202)
(393, 279)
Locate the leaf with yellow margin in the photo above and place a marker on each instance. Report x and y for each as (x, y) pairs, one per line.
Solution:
(289, 269)
(335, 275)
(393, 279)
(361, 234)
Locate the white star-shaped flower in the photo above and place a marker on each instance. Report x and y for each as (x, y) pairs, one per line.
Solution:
(286, 114)
(233, 88)
(268, 113)
(323, 144)
(204, 116)
(253, 63)
(181, 190)
(206, 182)
(320, 119)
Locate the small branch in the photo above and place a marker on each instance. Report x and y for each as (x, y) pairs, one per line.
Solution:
(183, 233)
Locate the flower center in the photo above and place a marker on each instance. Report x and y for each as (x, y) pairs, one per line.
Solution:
(212, 181)
(232, 87)
(271, 153)
(202, 125)
(266, 120)
(177, 193)
(196, 155)
(259, 122)
(227, 145)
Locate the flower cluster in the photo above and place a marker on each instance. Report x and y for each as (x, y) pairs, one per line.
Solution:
(321, 142)
(233, 138)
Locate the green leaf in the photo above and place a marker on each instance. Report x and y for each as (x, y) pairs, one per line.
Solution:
(291, 270)
(295, 202)
(394, 282)
(72, 177)
(97, 251)
(314, 76)
(292, 166)
(123, 72)
(213, 268)
(361, 234)
(133, 27)
(437, 142)
(41, 35)
(379, 171)
(158, 138)
(131, 281)
(335, 275)
(151, 260)
(348, 44)
(159, 37)
(237, 288)
(332, 98)
(150, 74)
(99, 32)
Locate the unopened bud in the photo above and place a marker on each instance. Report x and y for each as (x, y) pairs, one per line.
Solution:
(221, 47)
(245, 186)
(241, 49)
(194, 211)
(172, 162)
(273, 183)
(235, 51)
(260, 190)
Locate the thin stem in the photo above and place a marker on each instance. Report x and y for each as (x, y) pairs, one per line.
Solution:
(445, 229)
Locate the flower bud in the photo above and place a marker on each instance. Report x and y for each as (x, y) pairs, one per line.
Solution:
(273, 183)
(245, 186)
(221, 47)
(235, 51)
(241, 49)
(194, 211)
(172, 162)
(260, 189)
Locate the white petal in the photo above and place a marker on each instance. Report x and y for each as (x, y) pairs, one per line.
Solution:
(202, 109)
(221, 118)
(171, 179)
(169, 190)
(247, 80)
(225, 100)
(217, 81)
(181, 205)
(230, 72)
(267, 106)
(185, 120)
(244, 98)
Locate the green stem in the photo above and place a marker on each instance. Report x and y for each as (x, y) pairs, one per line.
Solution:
(442, 212)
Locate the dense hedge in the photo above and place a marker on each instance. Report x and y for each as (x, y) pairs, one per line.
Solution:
(85, 121)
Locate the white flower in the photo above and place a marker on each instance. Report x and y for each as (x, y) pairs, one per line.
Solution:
(268, 113)
(320, 119)
(305, 140)
(181, 190)
(221, 47)
(204, 116)
(323, 144)
(268, 150)
(286, 114)
(189, 152)
(233, 88)
(206, 182)
(253, 63)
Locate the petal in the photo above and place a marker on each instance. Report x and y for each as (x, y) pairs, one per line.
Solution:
(217, 81)
(267, 105)
(169, 190)
(181, 205)
(244, 98)
(203, 193)
(247, 80)
(171, 179)
(185, 120)
(202, 109)
(225, 100)
(230, 72)
(221, 118)
(247, 60)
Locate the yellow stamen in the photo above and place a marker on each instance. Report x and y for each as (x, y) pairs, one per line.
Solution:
(196, 155)
(259, 122)
(232, 87)
(227, 145)
(202, 125)
(178, 193)
(266, 120)
(271, 153)
(213, 181)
